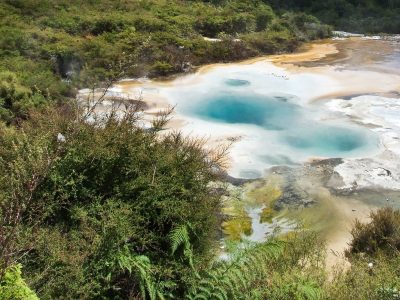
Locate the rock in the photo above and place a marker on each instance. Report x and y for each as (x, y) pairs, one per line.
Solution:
(308, 202)
(61, 138)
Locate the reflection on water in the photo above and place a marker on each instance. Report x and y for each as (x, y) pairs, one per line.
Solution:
(263, 229)
(251, 214)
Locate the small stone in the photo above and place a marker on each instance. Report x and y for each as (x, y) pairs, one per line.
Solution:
(61, 138)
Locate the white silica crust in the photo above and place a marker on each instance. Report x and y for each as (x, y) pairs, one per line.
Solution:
(383, 115)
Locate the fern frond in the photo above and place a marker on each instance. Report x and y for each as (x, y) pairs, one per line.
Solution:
(201, 297)
(140, 265)
(233, 279)
(308, 291)
(179, 236)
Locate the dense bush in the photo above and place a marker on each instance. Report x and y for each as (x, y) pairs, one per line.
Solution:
(367, 278)
(381, 234)
(364, 16)
(113, 193)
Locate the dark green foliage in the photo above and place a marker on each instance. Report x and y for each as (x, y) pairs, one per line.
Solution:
(162, 68)
(381, 234)
(363, 16)
(102, 217)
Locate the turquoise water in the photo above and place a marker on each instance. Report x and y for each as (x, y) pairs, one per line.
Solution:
(327, 139)
(268, 112)
(298, 130)
(237, 82)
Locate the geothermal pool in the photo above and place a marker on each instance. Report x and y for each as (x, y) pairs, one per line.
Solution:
(295, 131)
(270, 113)
(333, 100)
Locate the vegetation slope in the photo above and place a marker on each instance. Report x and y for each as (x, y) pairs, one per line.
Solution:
(102, 208)
(48, 48)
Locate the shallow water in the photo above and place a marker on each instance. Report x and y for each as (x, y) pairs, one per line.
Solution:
(261, 231)
(236, 82)
(280, 114)
(268, 112)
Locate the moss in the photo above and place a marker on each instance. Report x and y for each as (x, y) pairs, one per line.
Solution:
(237, 227)
(265, 192)
(266, 215)
(239, 222)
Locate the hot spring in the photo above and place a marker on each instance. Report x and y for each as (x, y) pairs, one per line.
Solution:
(275, 114)
(274, 129)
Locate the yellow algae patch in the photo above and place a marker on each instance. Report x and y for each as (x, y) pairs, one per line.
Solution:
(237, 227)
(266, 192)
(260, 194)
(239, 222)
(266, 215)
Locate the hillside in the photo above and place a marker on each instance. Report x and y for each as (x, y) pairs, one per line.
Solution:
(361, 16)
(49, 48)
(106, 204)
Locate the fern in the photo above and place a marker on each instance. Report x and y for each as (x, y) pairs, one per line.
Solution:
(233, 279)
(140, 266)
(308, 291)
(179, 238)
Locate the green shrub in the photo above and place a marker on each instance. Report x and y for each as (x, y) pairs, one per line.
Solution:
(381, 234)
(12, 286)
(114, 192)
(161, 68)
(366, 278)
